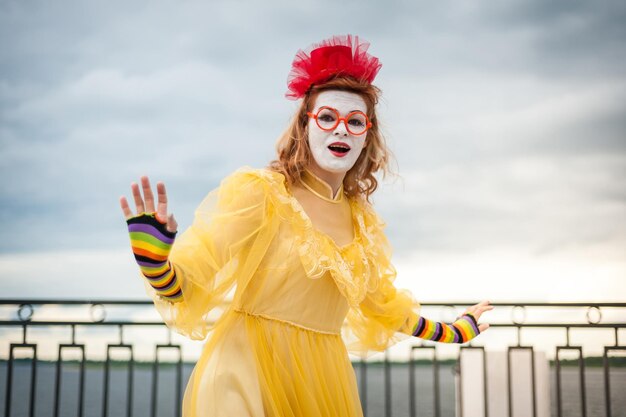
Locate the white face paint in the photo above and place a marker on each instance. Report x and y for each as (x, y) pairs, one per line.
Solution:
(320, 140)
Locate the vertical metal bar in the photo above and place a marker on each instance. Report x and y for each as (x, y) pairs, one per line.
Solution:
(607, 381)
(460, 371)
(607, 377)
(363, 378)
(179, 384)
(129, 395)
(155, 373)
(155, 377)
(412, 393)
(485, 382)
(33, 381)
(534, 379)
(559, 400)
(129, 407)
(81, 389)
(581, 368)
(81, 376)
(437, 386)
(387, 382)
(508, 381)
(7, 404)
(105, 390)
(581, 365)
(57, 383)
(33, 377)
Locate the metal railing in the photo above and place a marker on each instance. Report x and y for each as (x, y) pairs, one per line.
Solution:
(24, 309)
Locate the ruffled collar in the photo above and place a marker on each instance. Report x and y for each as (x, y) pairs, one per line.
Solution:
(355, 267)
(320, 187)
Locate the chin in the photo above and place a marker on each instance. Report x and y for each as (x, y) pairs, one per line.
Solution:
(337, 170)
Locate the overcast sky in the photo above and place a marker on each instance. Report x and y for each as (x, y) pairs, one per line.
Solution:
(508, 122)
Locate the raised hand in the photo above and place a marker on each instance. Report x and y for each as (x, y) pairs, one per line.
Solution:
(146, 204)
(476, 310)
(152, 234)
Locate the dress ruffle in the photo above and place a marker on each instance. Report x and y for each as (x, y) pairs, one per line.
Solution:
(356, 267)
(380, 315)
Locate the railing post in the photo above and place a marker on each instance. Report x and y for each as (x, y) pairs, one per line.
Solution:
(155, 379)
(81, 376)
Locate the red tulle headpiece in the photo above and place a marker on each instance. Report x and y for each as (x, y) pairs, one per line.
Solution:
(339, 55)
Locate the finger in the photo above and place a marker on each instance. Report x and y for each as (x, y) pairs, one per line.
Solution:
(479, 308)
(480, 311)
(471, 310)
(162, 202)
(172, 224)
(137, 197)
(147, 194)
(483, 326)
(124, 204)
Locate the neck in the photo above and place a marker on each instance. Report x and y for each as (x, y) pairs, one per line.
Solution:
(326, 183)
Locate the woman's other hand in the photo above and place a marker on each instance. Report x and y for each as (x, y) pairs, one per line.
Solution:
(478, 309)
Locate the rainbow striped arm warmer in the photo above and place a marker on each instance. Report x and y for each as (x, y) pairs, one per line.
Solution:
(464, 329)
(151, 243)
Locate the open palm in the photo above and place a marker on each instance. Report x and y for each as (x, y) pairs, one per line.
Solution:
(146, 204)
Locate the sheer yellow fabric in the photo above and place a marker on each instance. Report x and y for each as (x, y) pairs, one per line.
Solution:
(300, 302)
(386, 315)
(228, 238)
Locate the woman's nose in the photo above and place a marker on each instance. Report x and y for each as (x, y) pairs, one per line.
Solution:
(341, 130)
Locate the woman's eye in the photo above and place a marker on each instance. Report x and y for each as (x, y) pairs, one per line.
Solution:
(356, 122)
(326, 118)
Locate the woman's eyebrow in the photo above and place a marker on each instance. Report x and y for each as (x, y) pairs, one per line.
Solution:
(351, 111)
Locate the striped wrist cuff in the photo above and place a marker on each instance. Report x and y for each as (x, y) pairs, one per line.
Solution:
(166, 284)
(151, 244)
(461, 331)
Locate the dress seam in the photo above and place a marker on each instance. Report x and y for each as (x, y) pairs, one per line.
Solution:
(286, 322)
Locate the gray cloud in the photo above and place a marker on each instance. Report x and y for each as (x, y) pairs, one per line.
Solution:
(507, 120)
(536, 206)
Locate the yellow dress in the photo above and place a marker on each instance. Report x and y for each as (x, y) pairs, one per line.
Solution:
(289, 302)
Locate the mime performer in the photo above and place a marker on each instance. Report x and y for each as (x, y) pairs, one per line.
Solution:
(296, 253)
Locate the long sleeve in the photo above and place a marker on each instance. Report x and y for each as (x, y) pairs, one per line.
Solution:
(219, 252)
(386, 315)
(389, 315)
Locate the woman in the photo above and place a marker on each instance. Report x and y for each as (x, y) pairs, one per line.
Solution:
(300, 250)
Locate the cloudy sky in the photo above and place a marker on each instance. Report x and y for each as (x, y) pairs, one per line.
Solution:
(508, 122)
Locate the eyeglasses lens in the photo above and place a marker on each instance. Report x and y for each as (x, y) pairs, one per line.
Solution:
(357, 123)
(327, 119)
